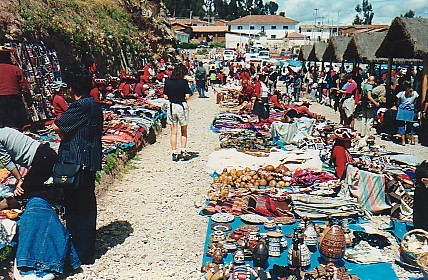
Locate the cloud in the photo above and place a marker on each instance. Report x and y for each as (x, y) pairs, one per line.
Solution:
(384, 10)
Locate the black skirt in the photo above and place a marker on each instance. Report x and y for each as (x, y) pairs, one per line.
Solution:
(12, 111)
(261, 108)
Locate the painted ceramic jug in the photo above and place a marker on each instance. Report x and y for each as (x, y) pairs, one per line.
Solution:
(299, 254)
(331, 243)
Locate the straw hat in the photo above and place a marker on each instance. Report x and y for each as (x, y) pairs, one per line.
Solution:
(6, 49)
(345, 134)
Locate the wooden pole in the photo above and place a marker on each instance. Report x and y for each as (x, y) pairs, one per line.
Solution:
(372, 68)
(342, 67)
(388, 81)
(424, 79)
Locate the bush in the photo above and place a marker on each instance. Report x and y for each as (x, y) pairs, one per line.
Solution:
(184, 45)
(218, 45)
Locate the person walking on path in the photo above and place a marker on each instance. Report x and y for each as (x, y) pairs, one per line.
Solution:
(201, 80)
(177, 91)
(368, 106)
(12, 85)
(80, 129)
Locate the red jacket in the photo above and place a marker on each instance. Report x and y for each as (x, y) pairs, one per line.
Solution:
(12, 80)
(60, 105)
(340, 157)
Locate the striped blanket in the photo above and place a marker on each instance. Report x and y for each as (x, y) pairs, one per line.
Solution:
(368, 188)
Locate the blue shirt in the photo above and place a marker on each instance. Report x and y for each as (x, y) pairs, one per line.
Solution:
(82, 126)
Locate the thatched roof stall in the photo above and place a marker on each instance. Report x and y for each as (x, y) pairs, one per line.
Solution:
(363, 46)
(407, 38)
(336, 48)
(317, 51)
(304, 52)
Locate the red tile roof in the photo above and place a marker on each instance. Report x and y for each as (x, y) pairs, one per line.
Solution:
(263, 19)
(197, 29)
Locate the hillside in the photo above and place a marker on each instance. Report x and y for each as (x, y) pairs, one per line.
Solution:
(113, 33)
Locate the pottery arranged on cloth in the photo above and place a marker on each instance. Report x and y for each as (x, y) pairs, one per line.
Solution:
(222, 218)
(253, 218)
(332, 243)
(311, 235)
(260, 253)
(274, 243)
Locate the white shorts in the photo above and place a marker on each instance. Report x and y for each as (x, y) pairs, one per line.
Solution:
(178, 114)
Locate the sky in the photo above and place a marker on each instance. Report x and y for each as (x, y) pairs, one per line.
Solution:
(384, 10)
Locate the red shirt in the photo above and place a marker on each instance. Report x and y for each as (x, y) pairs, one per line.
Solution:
(95, 94)
(274, 100)
(258, 89)
(245, 75)
(160, 76)
(340, 157)
(59, 104)
(12, 80)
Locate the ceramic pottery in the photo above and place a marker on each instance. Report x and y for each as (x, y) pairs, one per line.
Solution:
(274, 241)
(332, 243)
(299, 254)
(218, 236)
(217, 254)
(252, 240)
(239, 257)
(311, 236)
(270, 224)
(260, 254)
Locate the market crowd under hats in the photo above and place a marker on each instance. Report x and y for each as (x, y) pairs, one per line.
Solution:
(345, 134)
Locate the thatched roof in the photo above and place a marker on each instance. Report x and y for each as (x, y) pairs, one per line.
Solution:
(406, 38)
(304, 52)
(363, 47)
(336, 48)
(317, 51)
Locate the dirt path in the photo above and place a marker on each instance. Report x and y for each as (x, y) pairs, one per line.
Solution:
(149, 227)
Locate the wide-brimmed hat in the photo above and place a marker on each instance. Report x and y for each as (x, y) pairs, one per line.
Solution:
(56, 86)
(344, 133)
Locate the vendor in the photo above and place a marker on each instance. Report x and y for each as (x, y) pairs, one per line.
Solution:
(275, 99)
(261, 105)
(98, 91)
(58, 103)
(340, 155)
(247, 91)
(17, 148)
(298, 111)
(12, 85)
(420, 206)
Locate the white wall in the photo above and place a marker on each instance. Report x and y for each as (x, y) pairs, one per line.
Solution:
(279, 32)
(233, 39)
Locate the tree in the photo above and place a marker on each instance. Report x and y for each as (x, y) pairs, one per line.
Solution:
(364, 13)
(282, 14)
(409, 14)
(271, 8)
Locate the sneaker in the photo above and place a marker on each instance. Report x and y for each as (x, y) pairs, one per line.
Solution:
(205, 96)
(185, 156)
(175, 157)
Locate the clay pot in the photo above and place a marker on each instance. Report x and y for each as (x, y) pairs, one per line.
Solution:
(260, 254)
(332, 243)
(270, 168)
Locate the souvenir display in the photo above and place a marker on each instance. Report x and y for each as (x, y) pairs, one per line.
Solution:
(275, 243)
(253, 218)
(221, 227)
(331, 243)
(260, 253)
(299, 254)
(249, 228)
(222, 218)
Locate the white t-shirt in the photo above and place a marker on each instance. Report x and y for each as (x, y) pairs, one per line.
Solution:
(265, 90)
(407, 100)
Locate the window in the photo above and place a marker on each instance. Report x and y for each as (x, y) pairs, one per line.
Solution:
(239, 27)
(285, 27)
(273, 27)
(273, 36)
(262, 28)
(251, 27)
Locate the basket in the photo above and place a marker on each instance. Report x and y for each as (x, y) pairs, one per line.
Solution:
(414, 249)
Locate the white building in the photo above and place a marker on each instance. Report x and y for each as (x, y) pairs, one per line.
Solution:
(273, 27)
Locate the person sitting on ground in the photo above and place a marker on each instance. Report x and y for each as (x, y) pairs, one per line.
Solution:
(98, 92)
(340, 155)
(247, 92)
(58, 102)
(128, 89)
(420, 205)
(298, 111)
(275, 100)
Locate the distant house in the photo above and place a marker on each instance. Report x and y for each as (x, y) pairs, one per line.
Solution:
(270, 26)
(319, 33)
(209, 33)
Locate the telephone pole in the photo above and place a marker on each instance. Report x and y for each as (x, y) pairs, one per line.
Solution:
(315, 23)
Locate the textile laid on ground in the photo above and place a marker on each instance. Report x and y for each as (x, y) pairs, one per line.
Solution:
(368, 187)
(291, 133)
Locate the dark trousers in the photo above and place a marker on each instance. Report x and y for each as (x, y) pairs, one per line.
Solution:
(41, 170)
(81, 217)
(420, 208)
